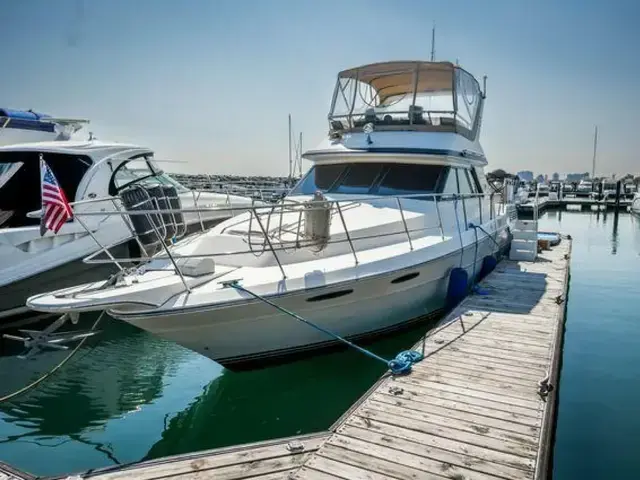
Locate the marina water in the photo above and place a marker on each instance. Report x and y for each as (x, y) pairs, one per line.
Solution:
(127, 396)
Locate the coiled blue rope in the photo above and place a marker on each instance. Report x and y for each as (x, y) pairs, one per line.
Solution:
(401, 364)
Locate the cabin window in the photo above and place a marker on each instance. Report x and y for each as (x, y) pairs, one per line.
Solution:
(463, 182)
(359, 179)
(373, 178)
(451, 184)
(405, 178)
(475, 181)
(20, 183)
(320, 177)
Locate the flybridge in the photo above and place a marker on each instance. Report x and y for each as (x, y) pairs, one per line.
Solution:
(25, 126)
(25, 120)
(407, 96)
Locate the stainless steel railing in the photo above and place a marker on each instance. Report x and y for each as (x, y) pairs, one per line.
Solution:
(271, 239)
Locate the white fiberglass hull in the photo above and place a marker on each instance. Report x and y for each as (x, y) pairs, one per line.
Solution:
(251, 330)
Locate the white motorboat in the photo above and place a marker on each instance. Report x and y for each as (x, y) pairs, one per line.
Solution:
(585, 189)
(91, 173)
(364, 244)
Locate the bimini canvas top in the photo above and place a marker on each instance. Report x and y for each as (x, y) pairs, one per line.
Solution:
(399, 78)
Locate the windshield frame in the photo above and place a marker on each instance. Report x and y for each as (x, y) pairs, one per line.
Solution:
(147, 158)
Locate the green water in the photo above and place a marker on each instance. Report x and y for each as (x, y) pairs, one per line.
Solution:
(127, 396)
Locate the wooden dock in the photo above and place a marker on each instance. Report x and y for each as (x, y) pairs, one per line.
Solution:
(481, 405)
(270, 460)
(478, 406)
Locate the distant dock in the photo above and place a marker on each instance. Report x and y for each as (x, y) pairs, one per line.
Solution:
(571, 203)
(481, 405)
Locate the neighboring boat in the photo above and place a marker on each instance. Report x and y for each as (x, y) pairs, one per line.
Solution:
(26, 126)
(364, 244)
(635, 204)
(585, 189)
(540, 190)
(92, 174)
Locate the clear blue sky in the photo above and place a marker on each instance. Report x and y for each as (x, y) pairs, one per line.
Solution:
(211, 81)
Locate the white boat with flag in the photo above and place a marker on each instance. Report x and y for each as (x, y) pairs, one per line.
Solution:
(396, 200)
(91, 175)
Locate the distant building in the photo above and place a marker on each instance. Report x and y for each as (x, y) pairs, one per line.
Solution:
(525, 176)
(540, 179)
(555, 177)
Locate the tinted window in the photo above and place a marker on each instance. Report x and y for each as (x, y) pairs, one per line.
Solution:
(373, 178)
(463, 182)
(359, 179)
(69, 171)
(20, 193)
(320, 177)
(475, 181)
(451, 184)
(403, 179)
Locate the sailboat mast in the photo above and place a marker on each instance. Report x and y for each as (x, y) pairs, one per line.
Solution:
(433, 43)
(595, 149)
(300, 156)
(290, 157)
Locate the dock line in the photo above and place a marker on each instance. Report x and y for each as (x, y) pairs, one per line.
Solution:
(400, 365)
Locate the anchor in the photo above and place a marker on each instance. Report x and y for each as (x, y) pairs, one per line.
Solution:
(49, 338)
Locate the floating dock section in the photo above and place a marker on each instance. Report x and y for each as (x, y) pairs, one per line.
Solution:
(481, 405)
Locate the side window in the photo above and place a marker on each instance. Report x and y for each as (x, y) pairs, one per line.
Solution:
(69, 171)
(471, 183)
(404, 179)
(20, 192)
(451, 184)
(474, 180)
(463, 182)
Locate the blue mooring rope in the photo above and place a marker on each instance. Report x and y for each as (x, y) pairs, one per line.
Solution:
(401, 364)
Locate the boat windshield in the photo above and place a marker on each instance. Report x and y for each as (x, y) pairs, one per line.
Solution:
(407, 96)
(370, 178)
(144, 171)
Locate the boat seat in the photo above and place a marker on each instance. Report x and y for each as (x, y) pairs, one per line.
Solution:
(416, 115)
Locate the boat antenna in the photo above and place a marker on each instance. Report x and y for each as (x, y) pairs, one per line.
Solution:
(300, 156)
(595, 148)
(433, 42)
(290, 158)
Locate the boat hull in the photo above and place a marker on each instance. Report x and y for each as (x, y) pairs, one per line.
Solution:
(253, 331)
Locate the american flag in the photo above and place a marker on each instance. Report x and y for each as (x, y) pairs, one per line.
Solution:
(55, 208)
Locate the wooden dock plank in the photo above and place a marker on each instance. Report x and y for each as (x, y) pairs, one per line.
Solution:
(472, 407)
(264, 461)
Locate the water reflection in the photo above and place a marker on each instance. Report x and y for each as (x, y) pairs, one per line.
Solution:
(112, 376)
(115, 375)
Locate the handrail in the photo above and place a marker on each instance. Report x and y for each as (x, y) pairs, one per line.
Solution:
(287, 202)
(285, 206)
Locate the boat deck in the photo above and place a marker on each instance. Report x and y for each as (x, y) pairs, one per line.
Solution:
(477, 407)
